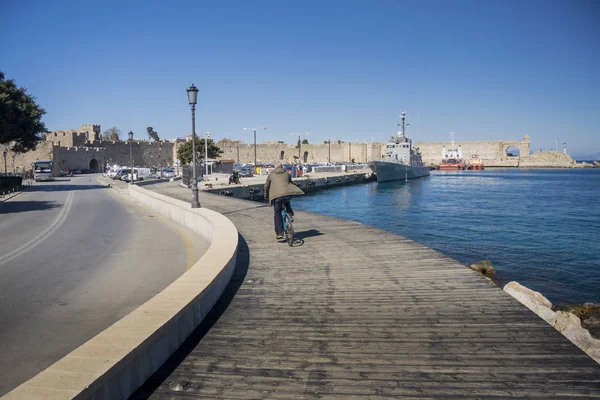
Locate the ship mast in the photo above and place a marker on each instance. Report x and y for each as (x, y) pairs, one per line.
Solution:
(402, 131)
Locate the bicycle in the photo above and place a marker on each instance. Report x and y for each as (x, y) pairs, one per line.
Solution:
(288, 227)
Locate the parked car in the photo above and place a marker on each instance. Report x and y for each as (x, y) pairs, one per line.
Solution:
(120, 173)
(246, 173)
(168, 173)
(77, 171)
(66, 172)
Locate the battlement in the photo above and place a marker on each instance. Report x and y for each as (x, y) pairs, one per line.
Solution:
(90, 127)
(81, 149)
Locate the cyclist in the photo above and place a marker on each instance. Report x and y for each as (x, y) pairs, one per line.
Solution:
(279, 190)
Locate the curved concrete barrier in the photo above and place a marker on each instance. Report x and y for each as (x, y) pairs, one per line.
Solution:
(117, 361)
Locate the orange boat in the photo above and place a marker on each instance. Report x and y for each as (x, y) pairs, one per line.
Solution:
(451, 164)
(452, 157)
(475, 163)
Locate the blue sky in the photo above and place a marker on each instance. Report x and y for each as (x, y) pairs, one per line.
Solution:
(342, 69)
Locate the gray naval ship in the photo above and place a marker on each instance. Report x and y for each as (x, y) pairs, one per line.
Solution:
(401, 161)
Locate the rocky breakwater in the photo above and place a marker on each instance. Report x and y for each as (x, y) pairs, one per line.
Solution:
(563, 318)
(547, 159)
(584, 164)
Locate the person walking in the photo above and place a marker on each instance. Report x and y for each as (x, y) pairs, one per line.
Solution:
(279, 190)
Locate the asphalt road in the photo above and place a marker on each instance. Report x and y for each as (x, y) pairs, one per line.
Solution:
(75, 257)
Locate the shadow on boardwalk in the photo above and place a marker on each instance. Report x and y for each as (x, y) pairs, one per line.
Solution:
(239, 274)
(308, 233)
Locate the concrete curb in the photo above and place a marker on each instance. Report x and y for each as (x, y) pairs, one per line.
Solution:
(117, 361)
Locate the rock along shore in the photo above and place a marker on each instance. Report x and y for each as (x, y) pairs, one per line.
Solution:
(565, 322)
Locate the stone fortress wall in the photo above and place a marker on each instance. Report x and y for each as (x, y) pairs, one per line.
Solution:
(17, 163)
(492, 153)
(94, 158)
(75, 137)
(271, 152)
(83, 149)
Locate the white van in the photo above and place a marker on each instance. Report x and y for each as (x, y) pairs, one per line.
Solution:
(142, 173)
(138, 174)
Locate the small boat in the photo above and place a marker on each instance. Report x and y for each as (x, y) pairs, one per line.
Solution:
(452, 159)
(401, 161)
(475, 163)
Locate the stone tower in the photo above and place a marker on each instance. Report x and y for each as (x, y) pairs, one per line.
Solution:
(92, 131)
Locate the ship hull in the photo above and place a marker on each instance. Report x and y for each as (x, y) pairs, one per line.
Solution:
(451, 167)
(457, 165)
(478, 167)
(389, 171)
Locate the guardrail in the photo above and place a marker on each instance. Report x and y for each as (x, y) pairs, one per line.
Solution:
(117, 361)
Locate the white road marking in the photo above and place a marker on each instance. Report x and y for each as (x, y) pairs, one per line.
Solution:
(43, 235)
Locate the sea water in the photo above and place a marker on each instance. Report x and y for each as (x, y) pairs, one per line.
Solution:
(539, 227)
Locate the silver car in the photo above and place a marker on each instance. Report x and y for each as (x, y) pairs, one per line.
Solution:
(168, 173)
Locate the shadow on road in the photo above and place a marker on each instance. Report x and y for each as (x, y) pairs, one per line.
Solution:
(239, 274)
(12, 207)
(63, 188)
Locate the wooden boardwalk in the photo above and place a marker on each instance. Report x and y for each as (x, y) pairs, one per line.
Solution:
(359, 313)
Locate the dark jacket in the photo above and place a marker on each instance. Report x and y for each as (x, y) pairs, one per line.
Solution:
(279, 183)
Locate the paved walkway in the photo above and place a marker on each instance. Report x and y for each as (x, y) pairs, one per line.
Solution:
(359, 313)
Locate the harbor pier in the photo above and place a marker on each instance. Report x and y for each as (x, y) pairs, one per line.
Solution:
(354, 312)
(252, 188)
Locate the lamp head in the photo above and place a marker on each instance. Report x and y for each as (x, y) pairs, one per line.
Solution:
(130, 134)
(192, 94)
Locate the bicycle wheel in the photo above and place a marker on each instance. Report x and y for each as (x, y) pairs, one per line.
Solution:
(289, 230)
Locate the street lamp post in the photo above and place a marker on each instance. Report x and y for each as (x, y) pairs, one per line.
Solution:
(192, 97)
(299, 145)
(206, 135)
(131, 156)
(254, 129)
(5, 154)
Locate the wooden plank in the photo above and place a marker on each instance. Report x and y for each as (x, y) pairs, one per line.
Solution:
(360, 313)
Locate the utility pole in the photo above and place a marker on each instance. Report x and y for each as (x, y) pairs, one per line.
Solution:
(254, 129)
(349, 151)
(206, 135)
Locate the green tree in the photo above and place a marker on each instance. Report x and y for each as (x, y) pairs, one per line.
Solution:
(305, 141)
(184, 152)
(152, 134)
(20, 117)
(112, 134)
(228, 142)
